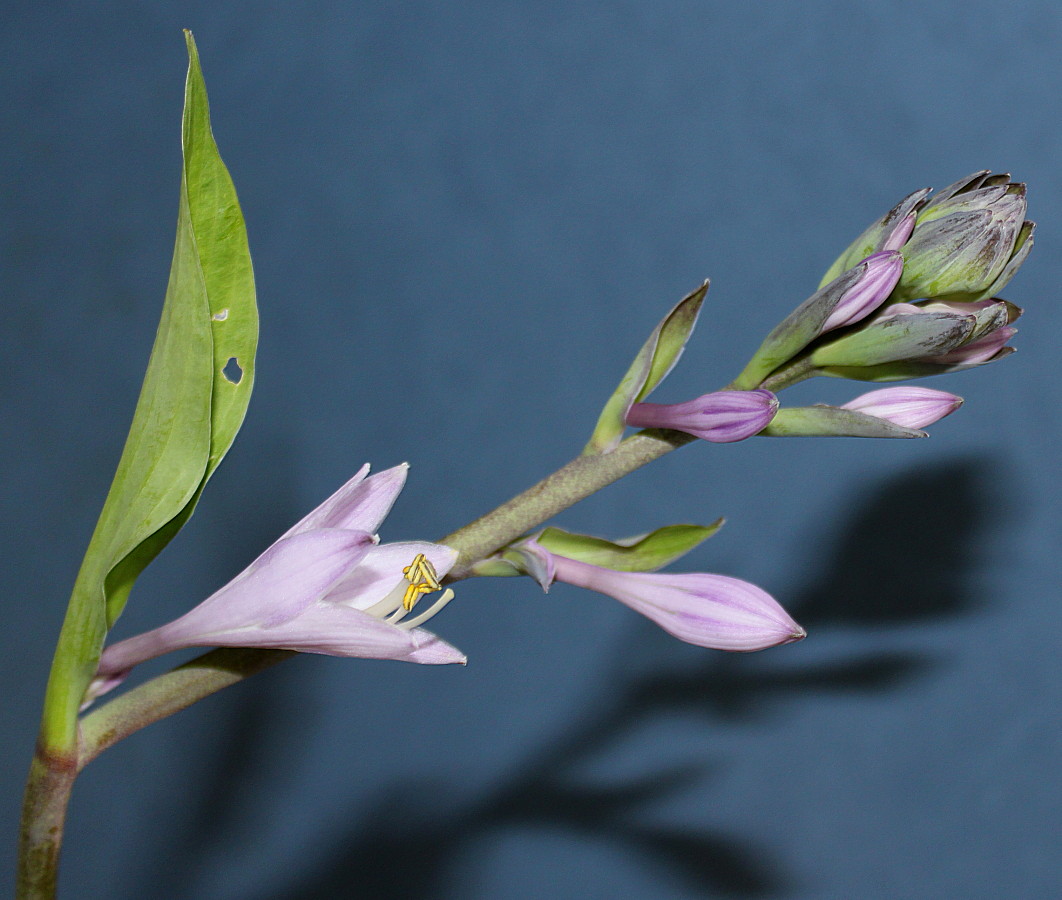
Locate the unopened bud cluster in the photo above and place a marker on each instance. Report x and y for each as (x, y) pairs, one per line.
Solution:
(913, 295)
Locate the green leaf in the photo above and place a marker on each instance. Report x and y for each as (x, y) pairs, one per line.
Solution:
(657, 357)
(643, 553)
(216, 281)
(191, 405)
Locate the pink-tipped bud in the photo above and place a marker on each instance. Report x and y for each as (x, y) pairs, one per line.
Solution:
(908, 407)
(979, 351)
(713, 611)
(883, 270)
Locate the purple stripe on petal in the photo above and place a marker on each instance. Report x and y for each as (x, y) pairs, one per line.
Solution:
(883, 270)
(720, 417)
(906, 406)
(713, 611)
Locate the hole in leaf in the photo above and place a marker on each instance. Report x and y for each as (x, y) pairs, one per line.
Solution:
(220, 316)
(232, 371)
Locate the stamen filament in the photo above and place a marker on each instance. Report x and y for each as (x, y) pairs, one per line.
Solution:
(444, 598)
(389, 603)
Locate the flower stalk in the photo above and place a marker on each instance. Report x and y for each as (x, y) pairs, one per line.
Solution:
(169, 693)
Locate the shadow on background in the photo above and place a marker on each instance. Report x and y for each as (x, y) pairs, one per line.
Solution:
(245, 721)
(904, 557)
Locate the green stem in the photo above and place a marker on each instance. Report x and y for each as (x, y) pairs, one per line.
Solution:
(168, 694)
(793, 373)
(43, 816)
(172, 692)
(580, 478)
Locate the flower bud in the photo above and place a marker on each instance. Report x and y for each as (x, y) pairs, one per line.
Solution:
(720, 417)
(901, 332)
(908, 406)
(890, 232)
(713, 611)
(913, 340)
(967, 242)
(850, 297)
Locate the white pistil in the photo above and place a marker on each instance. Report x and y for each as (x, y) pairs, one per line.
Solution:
(391, 609)
(390, 603)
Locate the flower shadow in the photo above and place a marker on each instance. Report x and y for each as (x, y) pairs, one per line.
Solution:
(930, 519)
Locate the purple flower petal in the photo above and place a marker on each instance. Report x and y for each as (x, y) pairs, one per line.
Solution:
(906, 406)
(883, 270)
(361, 504)
(323, 587)
(720, 417)
(713, 611)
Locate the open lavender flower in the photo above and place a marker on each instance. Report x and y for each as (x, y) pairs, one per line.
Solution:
(325, 586)
(720, 417)
(713, 611)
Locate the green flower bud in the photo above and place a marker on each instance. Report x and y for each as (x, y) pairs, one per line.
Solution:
(890, 232)
(968, 242)
(902, 332)
(988, 321)
(964, 244)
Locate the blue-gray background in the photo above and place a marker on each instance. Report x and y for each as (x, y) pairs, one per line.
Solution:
(465, 218)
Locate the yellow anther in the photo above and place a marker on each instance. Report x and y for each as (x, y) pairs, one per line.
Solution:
(421, 570)
(422, 578)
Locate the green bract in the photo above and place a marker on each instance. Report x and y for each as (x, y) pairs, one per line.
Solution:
(191, 405)
(652, 364)
(898, 337)
(642, 553)
(832, 421)
(877, 236)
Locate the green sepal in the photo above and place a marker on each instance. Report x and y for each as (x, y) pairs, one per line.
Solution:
(897, 337)
(832, 421)
(642, 553)
(495, 567)
(192, 402)
(905, 370)
(657, 357)
(797, 330)
(871, 240)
